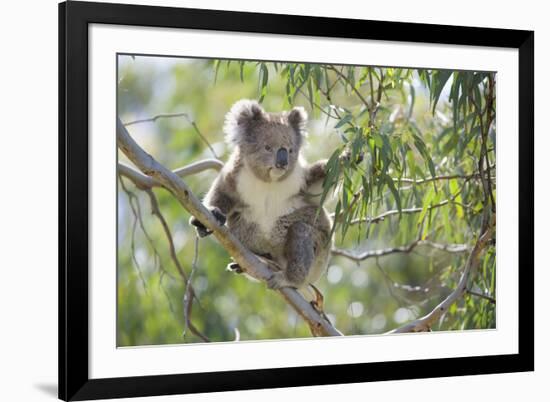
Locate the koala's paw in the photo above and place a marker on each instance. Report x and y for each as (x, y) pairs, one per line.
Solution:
(220, 217)
(202, 230)
(234, 267)
(278, 281)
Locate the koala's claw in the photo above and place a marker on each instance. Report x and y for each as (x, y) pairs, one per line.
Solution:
(202, 230)
(234, 267)
(220, 217)
(319, 302)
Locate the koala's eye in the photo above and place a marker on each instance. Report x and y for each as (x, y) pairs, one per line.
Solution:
(290, 150)
(267, 148)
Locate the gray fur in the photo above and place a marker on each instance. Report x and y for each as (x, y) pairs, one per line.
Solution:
(298, 239)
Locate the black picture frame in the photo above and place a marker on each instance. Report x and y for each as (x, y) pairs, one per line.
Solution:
(74, 18)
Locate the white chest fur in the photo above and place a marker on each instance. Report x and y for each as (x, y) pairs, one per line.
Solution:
(268, 201)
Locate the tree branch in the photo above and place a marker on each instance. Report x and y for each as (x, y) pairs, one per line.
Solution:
(144, 182)
(450, 248)
(425, 323)
(248, 261)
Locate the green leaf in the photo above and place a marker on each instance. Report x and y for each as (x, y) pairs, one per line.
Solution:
(411, 163)
(455, 193)
(394, 191)
(454, 98)
(289, 91)
(357, 145)
(217, 65)
(241, 70)
(336, 214)
(310, 94)
(413, 97)
(264, 78)
(291, 70)
(332, 174)
(421, 146)
(439, 80)
(346, 119)
(317, 76)
(378, 140)
(428, 198)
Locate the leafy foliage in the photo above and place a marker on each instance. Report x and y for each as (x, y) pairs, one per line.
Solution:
(411, 156)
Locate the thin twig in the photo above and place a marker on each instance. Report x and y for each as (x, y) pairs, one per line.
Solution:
(423, 290)
(155, 118)
(188, 297)
(488, 105)
(425, 323)
(173, 254)
(171, 115)
(449, 248)
(491, 299)
(359, 95)
(384, 215)
(413, 210)
(237, 334)
(319, 107)
(483, 157)
(391, 284)
(437, 178)
(158, 259)
(131, 199)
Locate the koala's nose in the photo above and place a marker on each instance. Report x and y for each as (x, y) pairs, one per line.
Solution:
(282, 158)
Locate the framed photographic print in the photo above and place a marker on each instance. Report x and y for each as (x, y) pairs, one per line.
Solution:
(257, 200)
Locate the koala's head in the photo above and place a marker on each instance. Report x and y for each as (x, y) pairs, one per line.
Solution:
(269, 143)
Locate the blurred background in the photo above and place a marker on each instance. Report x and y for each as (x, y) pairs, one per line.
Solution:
(417, 136)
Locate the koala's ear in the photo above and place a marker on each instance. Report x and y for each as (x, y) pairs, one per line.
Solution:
(240, 118)
(297, 118)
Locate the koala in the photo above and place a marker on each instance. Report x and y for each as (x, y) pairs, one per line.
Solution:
(264, 194)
